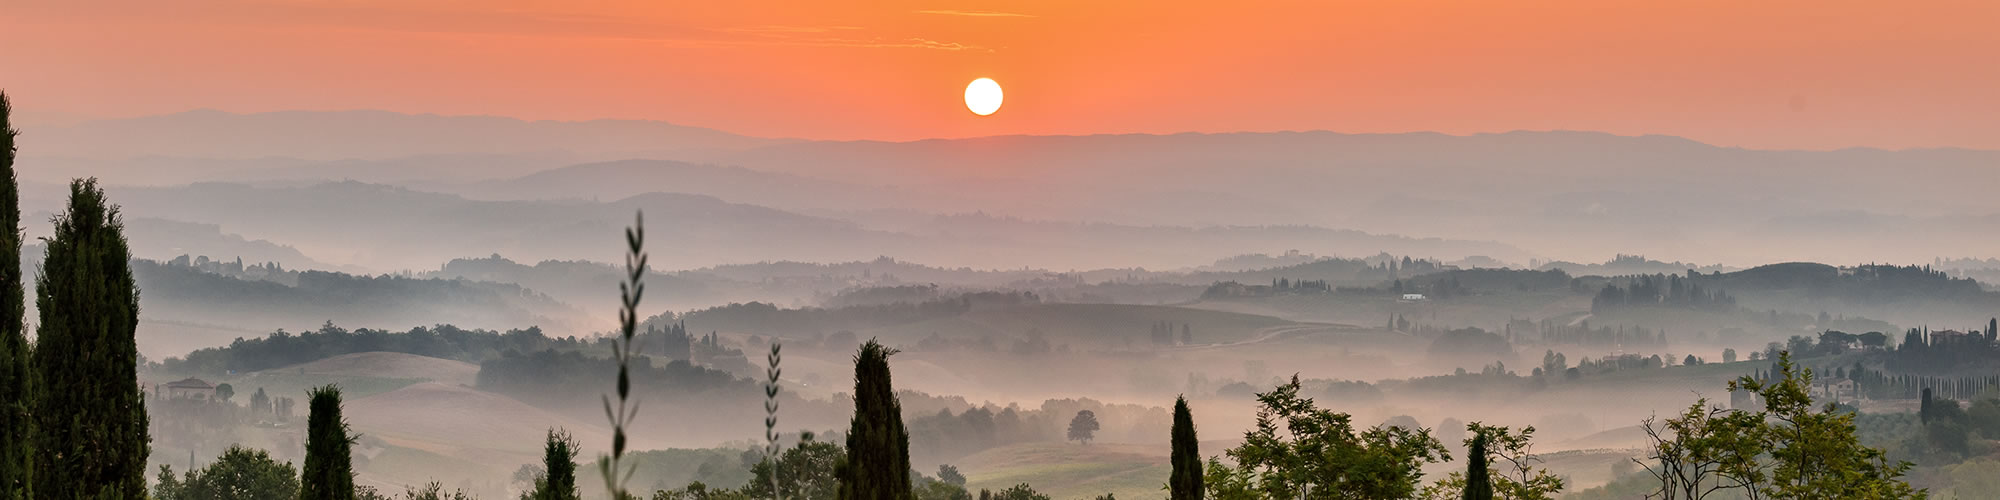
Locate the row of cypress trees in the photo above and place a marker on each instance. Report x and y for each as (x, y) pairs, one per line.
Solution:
(72, 416)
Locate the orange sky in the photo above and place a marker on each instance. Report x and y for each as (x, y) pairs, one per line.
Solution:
(1766, 74)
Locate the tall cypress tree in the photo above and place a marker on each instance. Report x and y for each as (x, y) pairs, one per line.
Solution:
(559, 462)
(1477, 485)
(90, 416)
(15, 450)
(1185, 482)
(877, 466)
(328, 472)
(1924, 406)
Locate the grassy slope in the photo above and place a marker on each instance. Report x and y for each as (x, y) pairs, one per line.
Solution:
(1067, 470)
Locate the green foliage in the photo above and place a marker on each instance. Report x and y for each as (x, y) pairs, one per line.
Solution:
(878, 447)
(1786, 450)
(949, 473)
(328, 472)
(15, 451)
(1018, 492)
(1185, 481)
(940, 490)
(1985, 417)
(90, 430)
(1816, 453)
(806, 471)
(1477, 485)
(1300, 451)
(558, 479)
(240, 474)
(699, 491)
(547, 378)
(1508, 466)
(434, 491)
(1083, 427)
(281, 348)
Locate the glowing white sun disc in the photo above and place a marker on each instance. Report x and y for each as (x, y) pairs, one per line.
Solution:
(983, 96)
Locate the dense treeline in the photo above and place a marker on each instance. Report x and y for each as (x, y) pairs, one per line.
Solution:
(188, 293)
(1661, 291)
(544, 374)
(1927, 351)
(759, 316)
(1583, 334)
(281, 348)
(1866, 283)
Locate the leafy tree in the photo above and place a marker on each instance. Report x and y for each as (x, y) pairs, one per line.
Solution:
(1729, 355)
(699, 491)
(260, 402)
(1083, 427)
(90, 430)
(15, 451)
(804, 472)
(940, 490)
(224, 391)
(1318, 454)
(434, 491)
(1185, 481)
(558, 481)
(949, 474)
(1017, 492)
(1509, 466)
(878, 447)
(1816, 453)
(240, 474)
(1786, 450)
(328, 473)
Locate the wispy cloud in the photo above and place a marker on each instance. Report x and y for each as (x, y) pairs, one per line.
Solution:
(787, 30)
(973, 13)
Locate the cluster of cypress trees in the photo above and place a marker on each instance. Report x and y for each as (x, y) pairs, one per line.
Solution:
(72, 416)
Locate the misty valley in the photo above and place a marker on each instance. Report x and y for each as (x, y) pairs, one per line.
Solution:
(812, 319)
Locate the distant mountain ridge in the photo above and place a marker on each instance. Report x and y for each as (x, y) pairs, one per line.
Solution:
(366, 135)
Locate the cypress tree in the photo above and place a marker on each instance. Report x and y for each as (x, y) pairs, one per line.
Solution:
(1924, 406)
(328, 472)
(559, 460)
(15, 451)
(877, 466)
(1477, 485)
(1185, 482)
(90, 416)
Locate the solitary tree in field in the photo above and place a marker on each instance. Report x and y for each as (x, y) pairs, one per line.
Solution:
(1083, 427)
(1185, 482)
(878, 447)
(328, 472)
(559, 462)
(90, 433)
(15, 450)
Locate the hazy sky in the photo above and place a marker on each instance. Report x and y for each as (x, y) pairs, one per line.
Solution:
(1764, 74)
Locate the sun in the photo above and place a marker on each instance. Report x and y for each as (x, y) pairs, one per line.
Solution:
(983, 96)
